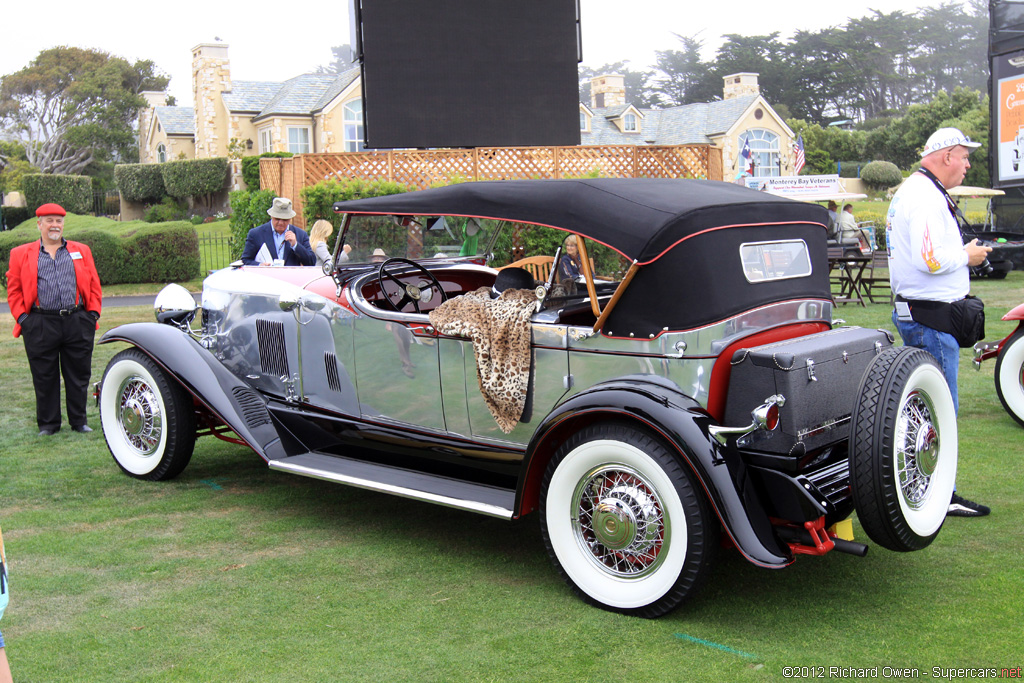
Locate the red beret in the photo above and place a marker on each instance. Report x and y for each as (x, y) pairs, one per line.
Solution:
(51, 210)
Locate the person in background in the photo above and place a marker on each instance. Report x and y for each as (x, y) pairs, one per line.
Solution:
(55, 297)
(928, 261)
(378, 256)
(318, 243)
(848, 224)
(833, 220)
(284, 242)
(569, 265)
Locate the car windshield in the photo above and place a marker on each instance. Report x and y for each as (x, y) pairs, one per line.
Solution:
(373, 238)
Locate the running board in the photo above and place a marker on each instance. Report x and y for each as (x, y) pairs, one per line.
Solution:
(487, 500)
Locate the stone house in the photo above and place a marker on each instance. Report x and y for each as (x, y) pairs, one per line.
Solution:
(307, 113)
(323, 113)
(741, 115)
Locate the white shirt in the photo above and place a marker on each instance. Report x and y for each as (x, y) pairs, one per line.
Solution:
(926, 252)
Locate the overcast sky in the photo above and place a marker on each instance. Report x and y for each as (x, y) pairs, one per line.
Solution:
(276, 45)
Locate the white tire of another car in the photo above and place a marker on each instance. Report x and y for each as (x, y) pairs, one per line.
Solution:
(148, 418)
(1009, 376)
(624, 523)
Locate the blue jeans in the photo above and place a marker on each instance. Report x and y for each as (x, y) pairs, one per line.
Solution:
(942, 345)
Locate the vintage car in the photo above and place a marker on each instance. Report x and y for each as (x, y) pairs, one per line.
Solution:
(686, 391)
(1009, 372)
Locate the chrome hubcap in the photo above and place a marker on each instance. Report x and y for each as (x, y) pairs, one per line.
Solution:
(619, 521)
(917, 448)
(139, 415)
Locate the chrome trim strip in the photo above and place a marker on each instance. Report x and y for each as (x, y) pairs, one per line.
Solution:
(470, 505)
(822, 428)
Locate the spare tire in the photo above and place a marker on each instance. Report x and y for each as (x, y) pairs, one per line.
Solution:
(903, 449)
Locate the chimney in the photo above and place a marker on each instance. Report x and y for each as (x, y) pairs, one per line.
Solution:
(211, 76)
(739, 85)
(607, 91)
(153, 99)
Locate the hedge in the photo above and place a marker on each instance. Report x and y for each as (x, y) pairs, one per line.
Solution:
(251, 168)
(73, 192)
(195, 177)
(142, 183)
(168, 252)
(248, 209)
(14, 216)
(318, 200)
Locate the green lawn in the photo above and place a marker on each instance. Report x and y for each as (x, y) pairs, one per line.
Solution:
(235, 573)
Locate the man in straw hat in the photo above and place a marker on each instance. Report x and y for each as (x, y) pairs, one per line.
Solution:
(284, 242)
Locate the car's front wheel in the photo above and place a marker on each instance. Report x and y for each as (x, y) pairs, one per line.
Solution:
(903, 449)
(624, 523)
(1010, 376)
(148, 418)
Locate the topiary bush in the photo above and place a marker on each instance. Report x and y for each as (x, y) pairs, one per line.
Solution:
(142, 183)
(167, 210)
(879, 174)
(14, 215)
(195, 177)
(73, 192)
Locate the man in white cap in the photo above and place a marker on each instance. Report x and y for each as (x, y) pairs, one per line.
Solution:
(928, 260)
(284, 242)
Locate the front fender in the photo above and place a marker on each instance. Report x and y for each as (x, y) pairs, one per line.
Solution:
(1016, 313)
(683, 424)
(233, 401)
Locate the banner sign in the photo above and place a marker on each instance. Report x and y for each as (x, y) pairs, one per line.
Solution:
(1008, 119)
(806, 187)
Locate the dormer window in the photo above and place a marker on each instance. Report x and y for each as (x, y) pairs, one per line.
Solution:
(629, 123)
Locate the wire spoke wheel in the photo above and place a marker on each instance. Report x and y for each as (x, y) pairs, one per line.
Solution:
(903, 449)
(148, 418)
(624, 523)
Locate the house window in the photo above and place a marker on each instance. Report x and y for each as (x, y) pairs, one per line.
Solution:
(629, 123)
(161, 153)
(764, 145)
(353, 114)
(298, 140)
(583, 121)
(266, 141)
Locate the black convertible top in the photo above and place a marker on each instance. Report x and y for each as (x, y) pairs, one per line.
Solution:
(641, 218)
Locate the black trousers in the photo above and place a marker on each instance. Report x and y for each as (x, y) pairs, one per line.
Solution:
(58, 346)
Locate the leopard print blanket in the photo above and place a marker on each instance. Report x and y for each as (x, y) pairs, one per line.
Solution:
(500, 331)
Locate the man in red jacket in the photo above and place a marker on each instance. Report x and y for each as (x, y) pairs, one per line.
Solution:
(54, 294)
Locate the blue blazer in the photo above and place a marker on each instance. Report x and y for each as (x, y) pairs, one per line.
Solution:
(301, 255)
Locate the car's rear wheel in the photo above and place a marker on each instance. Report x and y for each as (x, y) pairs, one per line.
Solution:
(1010, 376)
(624, 523)
(903, 449)
(148, 418)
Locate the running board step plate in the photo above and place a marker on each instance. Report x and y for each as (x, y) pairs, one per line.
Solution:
(487, 500)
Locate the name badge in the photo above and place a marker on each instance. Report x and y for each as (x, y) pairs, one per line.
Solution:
(76, 255)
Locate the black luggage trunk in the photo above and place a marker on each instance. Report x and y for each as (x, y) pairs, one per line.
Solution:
(819, 375)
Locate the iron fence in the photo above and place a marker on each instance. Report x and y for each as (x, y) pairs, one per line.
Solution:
(214, 253)
(106, 203)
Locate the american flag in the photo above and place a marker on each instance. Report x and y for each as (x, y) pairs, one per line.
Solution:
(799, 154)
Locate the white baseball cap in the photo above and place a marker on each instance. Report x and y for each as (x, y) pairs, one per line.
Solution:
(947, 137)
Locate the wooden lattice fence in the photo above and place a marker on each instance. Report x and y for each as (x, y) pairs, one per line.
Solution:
(423, 168)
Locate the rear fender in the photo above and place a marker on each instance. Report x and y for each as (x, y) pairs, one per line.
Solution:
(1016, 313)
(683, 424)
(230, 399)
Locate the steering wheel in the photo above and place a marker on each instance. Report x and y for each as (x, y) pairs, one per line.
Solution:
(410, 292)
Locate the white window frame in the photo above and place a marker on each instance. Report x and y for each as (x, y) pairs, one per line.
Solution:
(764, 146)
(630, 123)
(266, 140)
(584, 121)
(161, 153)
(300, 146)
(352, 125)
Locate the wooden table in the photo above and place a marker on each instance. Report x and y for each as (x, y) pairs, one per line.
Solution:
(848, 270)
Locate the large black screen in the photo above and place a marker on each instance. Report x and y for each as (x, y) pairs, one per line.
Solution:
(468, 73)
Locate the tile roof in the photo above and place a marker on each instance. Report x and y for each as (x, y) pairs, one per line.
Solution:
(250, 96)
(298, 95)
(685, 125)
(176, 120)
